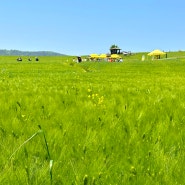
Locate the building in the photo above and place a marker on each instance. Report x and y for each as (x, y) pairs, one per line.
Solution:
(115, 50)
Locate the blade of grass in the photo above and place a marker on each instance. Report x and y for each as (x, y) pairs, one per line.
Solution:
(35, 134)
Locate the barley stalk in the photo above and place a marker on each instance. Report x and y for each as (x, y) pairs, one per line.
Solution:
(35, 134)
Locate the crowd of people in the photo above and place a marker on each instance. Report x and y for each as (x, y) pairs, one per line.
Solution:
(108, 59)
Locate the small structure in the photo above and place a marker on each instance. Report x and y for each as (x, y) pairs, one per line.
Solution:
(156, 53)
(115, 50)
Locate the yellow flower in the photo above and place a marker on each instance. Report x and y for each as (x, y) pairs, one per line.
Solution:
(100, 100)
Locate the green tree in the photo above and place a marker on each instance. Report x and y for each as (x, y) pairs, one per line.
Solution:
(114, 46)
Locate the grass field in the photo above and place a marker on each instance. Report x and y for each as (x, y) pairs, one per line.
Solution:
(100, 122)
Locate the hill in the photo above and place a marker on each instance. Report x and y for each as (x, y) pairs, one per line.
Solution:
(4, 52)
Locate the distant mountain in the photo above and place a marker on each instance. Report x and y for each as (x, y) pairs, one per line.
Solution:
(4, 52)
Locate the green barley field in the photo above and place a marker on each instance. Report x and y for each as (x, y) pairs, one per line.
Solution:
(92, 123)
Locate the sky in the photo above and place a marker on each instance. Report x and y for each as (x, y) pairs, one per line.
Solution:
(82, 27)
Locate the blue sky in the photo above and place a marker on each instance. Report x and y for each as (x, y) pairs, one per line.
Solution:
(80, 27)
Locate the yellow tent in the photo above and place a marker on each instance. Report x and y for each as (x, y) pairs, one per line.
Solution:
(156, 53)
(115, 56)
(103, 56)
(94, 55)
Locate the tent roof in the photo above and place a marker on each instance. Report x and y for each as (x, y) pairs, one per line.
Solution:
(156, 52)
(115, 56)
(94, 55)
(103, 56)
(115, 48)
